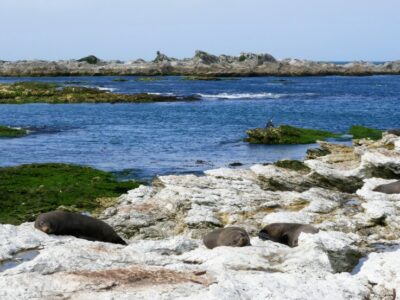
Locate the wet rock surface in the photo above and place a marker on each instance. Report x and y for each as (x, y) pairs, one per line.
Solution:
(353, 256)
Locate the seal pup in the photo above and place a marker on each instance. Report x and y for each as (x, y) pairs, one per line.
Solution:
(285, 233)
(80, 226)
(390, 188)
(229, 236)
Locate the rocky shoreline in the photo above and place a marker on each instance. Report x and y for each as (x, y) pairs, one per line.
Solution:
(202, 64)
(355, 255)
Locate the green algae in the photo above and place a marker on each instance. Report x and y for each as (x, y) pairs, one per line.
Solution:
(27, 190)
(361, 132)
(286, 134)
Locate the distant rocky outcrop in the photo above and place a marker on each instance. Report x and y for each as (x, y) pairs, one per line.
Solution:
(91, 59)
(202, 64)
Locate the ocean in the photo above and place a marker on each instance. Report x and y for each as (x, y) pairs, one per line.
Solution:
(148, 139)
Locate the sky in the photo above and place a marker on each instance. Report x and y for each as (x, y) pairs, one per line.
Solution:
(330, 30)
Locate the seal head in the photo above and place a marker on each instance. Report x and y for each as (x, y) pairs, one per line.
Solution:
(285, 233)
(229, 236)
(390, 188)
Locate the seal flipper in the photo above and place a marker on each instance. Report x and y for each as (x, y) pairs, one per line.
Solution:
(264, 235)
(285, 239)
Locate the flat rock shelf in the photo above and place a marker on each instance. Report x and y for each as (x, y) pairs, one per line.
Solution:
(355, 255)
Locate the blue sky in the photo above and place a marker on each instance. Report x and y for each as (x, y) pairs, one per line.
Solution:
(129, 29)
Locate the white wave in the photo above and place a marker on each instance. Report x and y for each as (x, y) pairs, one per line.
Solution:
(243, 96)
(253, 95)
(162, 94)
(100, 88)
(106, 89)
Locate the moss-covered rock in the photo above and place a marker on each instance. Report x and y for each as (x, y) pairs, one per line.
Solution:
(361, 132)
(286, 134)
(27, 190)
(8, 132)
(149, 79)
(295, 165)
(91, 59)
(38, 92)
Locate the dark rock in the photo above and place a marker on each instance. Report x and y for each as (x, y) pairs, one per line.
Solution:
(91, 59)
(205, 58)
(162, 57)
(316, 152)
(236, 164)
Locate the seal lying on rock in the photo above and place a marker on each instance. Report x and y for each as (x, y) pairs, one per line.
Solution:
(390, 188)
(395, 131)
(285, 233)
(80, 226)
(229, 236)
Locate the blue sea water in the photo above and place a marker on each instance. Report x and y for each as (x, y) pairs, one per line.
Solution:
(182, 137)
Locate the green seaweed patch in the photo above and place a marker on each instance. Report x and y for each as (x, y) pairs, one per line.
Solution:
(9, 132)
(149, 79)
(27, 190)
(286, 134)
(38, 92)
(294, 165)
(361, 132)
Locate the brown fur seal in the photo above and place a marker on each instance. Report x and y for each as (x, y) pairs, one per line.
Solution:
(229, 236)
(285, 233)
(390, 188)
(80, 226)
(395, 131)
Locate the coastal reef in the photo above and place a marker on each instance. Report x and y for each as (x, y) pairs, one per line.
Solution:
(355, 254)
(201, 64)
(10, 132)
(41, 92)
(286, 134)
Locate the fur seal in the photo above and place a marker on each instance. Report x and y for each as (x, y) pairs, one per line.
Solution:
(80, 226)
(395, 131)
(390, 188)
(285, 233)
(229, 236)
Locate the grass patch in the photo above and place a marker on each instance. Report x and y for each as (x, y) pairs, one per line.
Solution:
(295, 165)
(286, 134)
(39, 92)
(27, 190)
(8, 132)
(361, 132)
(149, 79)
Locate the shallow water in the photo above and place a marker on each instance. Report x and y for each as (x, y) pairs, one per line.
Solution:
(162, 138)
(18, 258)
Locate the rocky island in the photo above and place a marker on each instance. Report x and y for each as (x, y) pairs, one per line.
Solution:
(202, 64)
(355, 254)
(41, 92)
